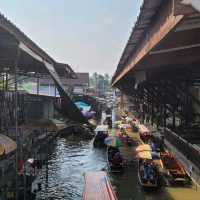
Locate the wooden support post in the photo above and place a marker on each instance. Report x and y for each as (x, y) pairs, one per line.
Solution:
(16, 115)
(3, 82)
(152, 112)
(174, 119)
(38, 85)
(55, 90)
(164, 106)
(165, 116)
(6, 81)
(122, 101)
(187, 111)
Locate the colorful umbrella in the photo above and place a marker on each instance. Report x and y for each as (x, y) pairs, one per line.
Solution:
(88, 114)
(125, 126)
(128, 119)
(113, 141)
(143, 129)
(144, 155)
(118, 122)
(143, 147)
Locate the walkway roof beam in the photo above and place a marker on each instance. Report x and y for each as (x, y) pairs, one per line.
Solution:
(162, 23)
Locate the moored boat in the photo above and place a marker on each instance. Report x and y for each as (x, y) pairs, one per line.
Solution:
(157, 161)
(147, 173)
(101, 133)
(174, 168)
(98, 187)
(115, 160)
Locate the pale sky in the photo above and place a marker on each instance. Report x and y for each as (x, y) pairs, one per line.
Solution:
(90, 35)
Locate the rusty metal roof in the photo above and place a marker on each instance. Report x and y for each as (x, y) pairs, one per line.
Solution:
(65, 70)
(148, 11)
(68, 108)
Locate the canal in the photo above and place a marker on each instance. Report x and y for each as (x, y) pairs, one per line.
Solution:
(71, 158)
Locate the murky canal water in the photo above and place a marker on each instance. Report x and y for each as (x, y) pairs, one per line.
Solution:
(66, 166)
(71, 159)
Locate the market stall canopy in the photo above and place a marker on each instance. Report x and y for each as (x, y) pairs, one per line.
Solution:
(7, 145)
(113, 141)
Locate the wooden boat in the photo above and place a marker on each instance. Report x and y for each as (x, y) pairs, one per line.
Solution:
(147, 174)
(115, 166)
(98, 187)
(101, 133)
(157, 161)
(174, 168)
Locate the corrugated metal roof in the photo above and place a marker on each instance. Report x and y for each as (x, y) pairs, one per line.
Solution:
(65, 70)
(69, 109)
(147, 12)
(20, 36)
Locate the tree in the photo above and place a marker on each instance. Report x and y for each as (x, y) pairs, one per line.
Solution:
(100, 82)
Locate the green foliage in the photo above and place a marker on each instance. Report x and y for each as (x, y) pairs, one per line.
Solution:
(100, 82)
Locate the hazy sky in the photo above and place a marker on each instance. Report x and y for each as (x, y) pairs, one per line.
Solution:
(90, 35)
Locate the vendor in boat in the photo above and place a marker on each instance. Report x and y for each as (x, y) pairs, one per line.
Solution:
(149, 171)
(153, 146)
(113, 151)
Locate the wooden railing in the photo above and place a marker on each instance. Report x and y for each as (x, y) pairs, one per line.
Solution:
(186, 148)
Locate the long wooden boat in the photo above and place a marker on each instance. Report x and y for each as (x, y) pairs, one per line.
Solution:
(157, 161)
(98, 187)
(150, 180)
(101, 133)
(114, 167)
(174, 168)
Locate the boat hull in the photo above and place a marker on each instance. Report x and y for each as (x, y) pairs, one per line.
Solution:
(98, 187)
(144, 182)
(175, 170)
(113, 167)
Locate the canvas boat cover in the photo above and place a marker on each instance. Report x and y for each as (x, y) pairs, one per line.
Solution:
(102, 128)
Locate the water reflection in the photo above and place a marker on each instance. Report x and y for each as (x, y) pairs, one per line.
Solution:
(67, 164)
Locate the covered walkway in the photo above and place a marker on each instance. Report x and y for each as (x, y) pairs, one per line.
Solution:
(159, 70)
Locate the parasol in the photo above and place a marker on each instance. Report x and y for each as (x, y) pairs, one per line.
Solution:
(144, 155)
(143, 147)
(113, 141)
